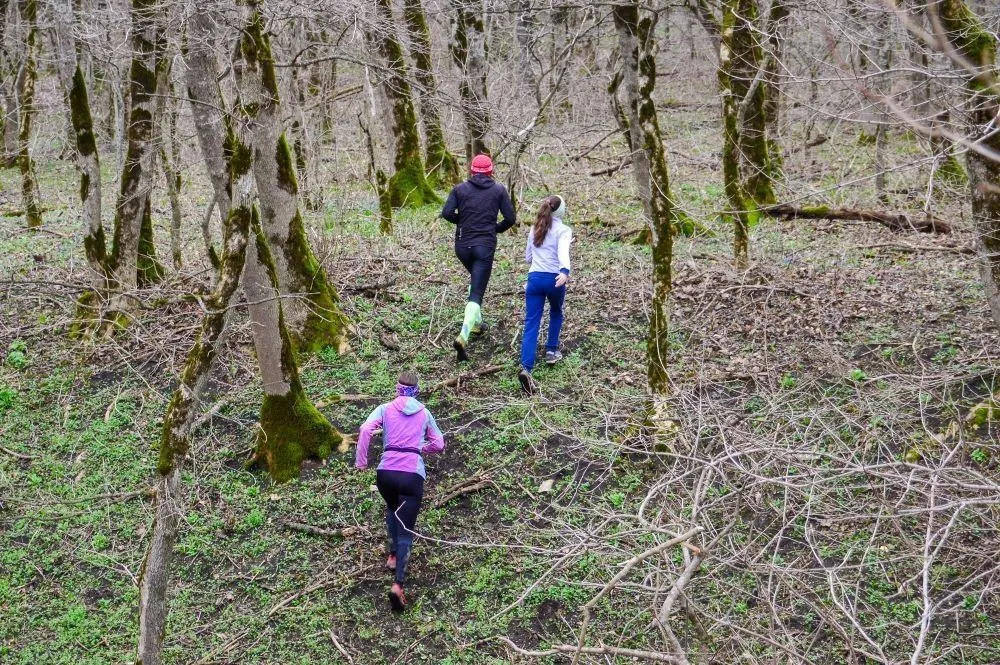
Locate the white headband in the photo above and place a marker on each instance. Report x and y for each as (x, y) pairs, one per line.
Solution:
(560, 212)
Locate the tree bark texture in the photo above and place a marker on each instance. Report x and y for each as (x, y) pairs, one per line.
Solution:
(748, 80)
(468, 50)
(408, 185)
(731, 48)
(777, 22)
(169, 149)
(313, 313)
(966, 35)
(131, 211)
(8, 100)
(88, 163)
(27, 79)
(442, 164)
(175, 440)
(207, 108)
(637, 43)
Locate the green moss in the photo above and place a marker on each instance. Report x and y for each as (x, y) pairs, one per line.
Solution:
(94, 246)
(286, 169)
(87, 313)
(256, 49)
(951, 172)
(967, 34)
(814, 211)
(83, 124)
(148, 268)
(384, 203)
(408, 186)
(292, 430)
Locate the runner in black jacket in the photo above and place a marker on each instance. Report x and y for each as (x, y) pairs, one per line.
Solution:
(473, 207)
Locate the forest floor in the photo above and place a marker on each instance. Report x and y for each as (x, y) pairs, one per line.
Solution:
(841, 337)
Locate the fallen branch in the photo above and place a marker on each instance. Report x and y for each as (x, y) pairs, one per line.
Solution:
(894, 221)
(604, 138)
(613, 169)
(919, 248)
(14, 453)
(592, 651)
(346, 532)
(467, 486)
(342, 650)
(456, 381)
(372, 289)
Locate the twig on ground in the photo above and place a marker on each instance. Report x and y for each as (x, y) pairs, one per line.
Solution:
(456, 381)
(592, 651)
(345, 532)
(611, 170)
(341, 649)
(14, 453)
(466, 486)
(918, 248)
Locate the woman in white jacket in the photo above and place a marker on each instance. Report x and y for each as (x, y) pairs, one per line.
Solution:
(547, 252)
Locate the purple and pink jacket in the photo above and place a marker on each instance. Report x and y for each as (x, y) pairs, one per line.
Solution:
(408, 431)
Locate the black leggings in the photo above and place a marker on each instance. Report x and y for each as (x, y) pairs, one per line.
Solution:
(402, 491)
(478, 261)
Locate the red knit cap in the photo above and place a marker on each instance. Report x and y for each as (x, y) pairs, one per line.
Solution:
(482, 164)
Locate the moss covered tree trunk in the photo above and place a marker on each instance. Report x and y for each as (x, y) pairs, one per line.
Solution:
(731, 47)
(207, 109)
(468, 50)
(442, 164)
(175, 440)
(637, 42)
(8, 96)
(74, 85)
(966, 34)
(291, 428)
(777, 22)
(27, 78)
(313, 313)
(750, 88)
(408, 184)
(132, 251)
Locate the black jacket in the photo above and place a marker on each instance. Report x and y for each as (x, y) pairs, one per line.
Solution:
(473, 207)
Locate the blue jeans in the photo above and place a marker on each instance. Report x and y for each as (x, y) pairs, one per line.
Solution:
(541, 287)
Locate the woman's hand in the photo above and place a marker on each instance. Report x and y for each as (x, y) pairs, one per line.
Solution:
(561, 279)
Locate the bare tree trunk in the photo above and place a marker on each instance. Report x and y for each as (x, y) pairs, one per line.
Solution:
(207, 108)
(443, 165)
(176, 438)
(468, 49)
(749, 85)
(524, 34)
(732, 48)
(964, 32)
(169, 149)
(131, 211)
(706, 17)
(638, 47)
(408, 185)
(26, 106)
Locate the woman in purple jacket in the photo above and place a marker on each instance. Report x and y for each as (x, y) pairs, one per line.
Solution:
(408, 431)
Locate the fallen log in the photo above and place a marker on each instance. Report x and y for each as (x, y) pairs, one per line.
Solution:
(456, 381)
(896, 221)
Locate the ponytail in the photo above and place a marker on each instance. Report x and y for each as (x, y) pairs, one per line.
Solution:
(543, 221)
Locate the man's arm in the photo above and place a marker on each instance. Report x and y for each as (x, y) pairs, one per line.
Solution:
(450, 210)
(507, 210)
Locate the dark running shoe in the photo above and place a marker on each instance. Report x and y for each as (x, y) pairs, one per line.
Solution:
(527, 383)
(396, 598)
(552, 357)
(460, 354)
